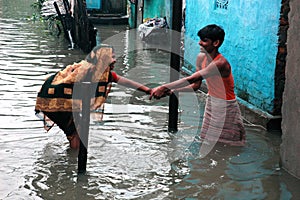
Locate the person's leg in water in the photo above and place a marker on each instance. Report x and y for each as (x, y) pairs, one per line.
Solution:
(65, 121)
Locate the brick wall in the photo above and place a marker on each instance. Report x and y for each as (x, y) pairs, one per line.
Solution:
(281, 56)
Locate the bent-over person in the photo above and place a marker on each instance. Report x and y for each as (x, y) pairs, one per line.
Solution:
(57, 102)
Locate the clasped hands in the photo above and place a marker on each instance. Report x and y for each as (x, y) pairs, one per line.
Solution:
(159, 92)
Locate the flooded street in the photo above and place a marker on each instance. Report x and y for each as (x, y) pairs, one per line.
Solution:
(131, 155)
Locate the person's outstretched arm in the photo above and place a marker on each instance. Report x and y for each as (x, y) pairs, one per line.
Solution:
(132, 84)
(212, 69)
(183, 83)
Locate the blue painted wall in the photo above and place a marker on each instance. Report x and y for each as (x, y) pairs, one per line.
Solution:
(250, 44)
(251, 41)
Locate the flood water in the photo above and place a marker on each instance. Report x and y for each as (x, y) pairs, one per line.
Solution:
(131, 155)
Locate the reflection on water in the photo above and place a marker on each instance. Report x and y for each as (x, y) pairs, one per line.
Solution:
(131, 154)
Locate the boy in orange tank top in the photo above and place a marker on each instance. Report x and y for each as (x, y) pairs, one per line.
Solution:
(222, 120)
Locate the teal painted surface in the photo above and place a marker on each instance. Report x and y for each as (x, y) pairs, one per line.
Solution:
(131, 19)
(157, 8)
(154, 8)
(93, 4)
(250, 43)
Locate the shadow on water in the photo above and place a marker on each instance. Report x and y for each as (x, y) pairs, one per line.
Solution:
(131, 154)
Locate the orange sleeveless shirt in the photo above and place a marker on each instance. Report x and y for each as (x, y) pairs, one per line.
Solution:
(220, 87)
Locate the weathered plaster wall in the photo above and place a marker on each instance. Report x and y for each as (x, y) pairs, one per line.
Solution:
(250, 43)
(290, 146)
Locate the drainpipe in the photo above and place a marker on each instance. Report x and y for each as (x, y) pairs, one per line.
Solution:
(175, 62)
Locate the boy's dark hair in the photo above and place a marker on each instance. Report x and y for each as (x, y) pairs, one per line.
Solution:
(213, 32)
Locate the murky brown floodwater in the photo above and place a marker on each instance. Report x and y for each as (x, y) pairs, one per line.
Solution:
(131, 154)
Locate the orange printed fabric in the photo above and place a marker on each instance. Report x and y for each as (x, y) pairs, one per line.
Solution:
(61, 92)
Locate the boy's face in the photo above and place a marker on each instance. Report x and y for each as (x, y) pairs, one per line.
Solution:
(207, 45)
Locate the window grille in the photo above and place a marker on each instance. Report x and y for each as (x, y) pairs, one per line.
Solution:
(221, 4)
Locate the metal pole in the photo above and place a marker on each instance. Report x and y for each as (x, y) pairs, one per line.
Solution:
(175, 62)
(136, 10)
(84, 127)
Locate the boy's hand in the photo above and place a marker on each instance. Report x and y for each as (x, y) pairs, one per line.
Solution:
(159, 92)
